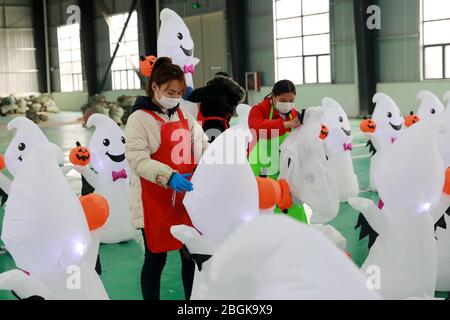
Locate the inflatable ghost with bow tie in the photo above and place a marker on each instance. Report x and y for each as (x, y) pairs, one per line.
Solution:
(338, 147)
(110, 179)
(304, 165)
(28, 135)
(48, 236)
(175, 41)
(410, 180)
(382, 130)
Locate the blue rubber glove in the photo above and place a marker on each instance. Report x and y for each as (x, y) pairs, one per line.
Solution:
(180, 183)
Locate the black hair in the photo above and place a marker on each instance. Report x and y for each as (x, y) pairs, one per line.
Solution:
(223, 74)
(282, 87)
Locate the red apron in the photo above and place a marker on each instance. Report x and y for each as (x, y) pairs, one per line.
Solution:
(201, 119)
(159, 212)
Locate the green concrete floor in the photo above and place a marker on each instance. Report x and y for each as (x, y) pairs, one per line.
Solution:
(122, 263)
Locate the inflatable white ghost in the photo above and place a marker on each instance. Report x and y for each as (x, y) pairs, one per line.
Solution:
(243, 111)
(389, 125)
(28, 135)
(110, 179)
(47, 235)
(430, 105)
(276, 257)
(303, 164)
(223, 167)
(410, 180)
(338, 147)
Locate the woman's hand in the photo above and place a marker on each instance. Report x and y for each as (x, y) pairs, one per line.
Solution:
(292, 124)
(180, 183)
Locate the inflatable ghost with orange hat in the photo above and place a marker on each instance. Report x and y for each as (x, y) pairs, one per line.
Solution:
(410, 179)
(304, 165)
(382, 130)
(51, 238)
(110, 179)
(27, 136)
(338, 148)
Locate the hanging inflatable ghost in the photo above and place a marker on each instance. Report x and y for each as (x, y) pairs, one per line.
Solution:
(410, 180)
(303, 164)
(110, 179)
(47, 235)
(175, 42)
(338, 148)
(28, 135)
(275, 257)
(389, 124)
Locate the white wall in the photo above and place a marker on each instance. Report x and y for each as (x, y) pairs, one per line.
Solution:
(405, 94)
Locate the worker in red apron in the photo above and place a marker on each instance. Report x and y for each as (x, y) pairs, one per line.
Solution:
(164, 144)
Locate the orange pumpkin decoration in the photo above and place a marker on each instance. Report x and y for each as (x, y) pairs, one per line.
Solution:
(368, 126)
(273, 193)
(285, 201)
(96, 210)
(324, 132)
(2, 162)
(411, 119)
(146, 65)
(79, 155)
(447, 182)
(269, 192)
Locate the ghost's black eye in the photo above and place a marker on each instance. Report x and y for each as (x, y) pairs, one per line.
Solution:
(123, 140)
(21, 146)
(106, 142)
(180, 36)
(341, 120)
(389, 115)
(433, 111)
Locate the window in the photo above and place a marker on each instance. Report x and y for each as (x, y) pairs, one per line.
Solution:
(302, 40)
(127, 57)
(69, 50)
(435, 24)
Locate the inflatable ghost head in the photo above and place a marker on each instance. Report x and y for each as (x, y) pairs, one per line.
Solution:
(274, 257)
(338, 147)
(107, 145)
(28, 136)
(175, 41)
(410, 176)
(243, 111)
(340, 130)
(388, 118)
(225, 190)
(44, 233)
(303, 164)
(430, 105)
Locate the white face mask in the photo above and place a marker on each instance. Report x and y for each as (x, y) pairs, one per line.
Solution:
(168, 103)
(285, 107)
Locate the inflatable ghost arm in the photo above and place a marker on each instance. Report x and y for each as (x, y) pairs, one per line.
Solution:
(374, 216)
(88, 174)
(23, 285)
(192, 239)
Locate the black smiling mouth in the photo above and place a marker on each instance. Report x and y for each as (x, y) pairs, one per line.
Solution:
(348, 133)
(187, 52)
(118, 158)
(20, 158)
(396, 128)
